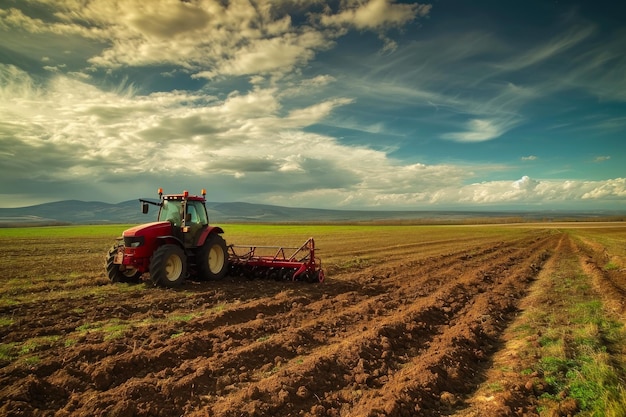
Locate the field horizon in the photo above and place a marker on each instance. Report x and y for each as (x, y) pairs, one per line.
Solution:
(94, 212)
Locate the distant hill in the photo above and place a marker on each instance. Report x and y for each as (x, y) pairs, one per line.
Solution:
(129, 212)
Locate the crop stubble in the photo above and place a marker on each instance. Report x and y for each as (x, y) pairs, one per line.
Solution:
(411, 331)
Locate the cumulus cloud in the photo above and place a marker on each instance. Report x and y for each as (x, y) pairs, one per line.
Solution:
(531, 192)
(211, 38)
(611, 189)
(84, 132)
(73, 132)
(374, 14)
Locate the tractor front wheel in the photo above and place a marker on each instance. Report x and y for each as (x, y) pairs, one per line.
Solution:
(168, 266)
(213, 258)
(115, 271)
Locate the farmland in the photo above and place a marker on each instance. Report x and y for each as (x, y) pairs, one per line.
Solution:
(465, 321)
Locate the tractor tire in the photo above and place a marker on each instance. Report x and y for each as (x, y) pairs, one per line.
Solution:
(168, 266)
(116, 274)
(213, 258)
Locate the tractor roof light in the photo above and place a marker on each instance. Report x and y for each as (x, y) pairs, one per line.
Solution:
(160, 192)
(204, 192)
(185, 194)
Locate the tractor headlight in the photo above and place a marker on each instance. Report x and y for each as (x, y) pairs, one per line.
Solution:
(133, 241)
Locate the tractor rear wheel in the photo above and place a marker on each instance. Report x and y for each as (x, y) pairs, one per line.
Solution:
(115, 272)
(213, 258)
(168, 266)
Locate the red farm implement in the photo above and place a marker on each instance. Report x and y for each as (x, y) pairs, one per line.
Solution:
(276, 262)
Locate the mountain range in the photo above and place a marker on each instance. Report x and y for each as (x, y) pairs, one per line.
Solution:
(129, 212)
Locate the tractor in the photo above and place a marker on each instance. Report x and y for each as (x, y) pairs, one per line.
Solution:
(179, 243)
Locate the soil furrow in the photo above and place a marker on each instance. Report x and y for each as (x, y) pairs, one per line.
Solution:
(400, 327)
(391, 336)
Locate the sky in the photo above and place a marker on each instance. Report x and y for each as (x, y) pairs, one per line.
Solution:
(348, 104)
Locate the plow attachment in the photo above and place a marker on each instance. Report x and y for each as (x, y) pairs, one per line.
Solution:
(276, 262)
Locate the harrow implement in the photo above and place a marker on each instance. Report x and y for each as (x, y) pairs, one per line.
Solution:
(276, 262)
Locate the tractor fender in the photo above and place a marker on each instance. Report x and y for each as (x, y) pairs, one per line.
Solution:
(207, 232)
(170, 239)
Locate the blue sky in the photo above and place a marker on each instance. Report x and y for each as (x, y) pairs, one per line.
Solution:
(368, 104)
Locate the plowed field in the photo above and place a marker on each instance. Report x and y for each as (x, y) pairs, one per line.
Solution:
(408, 323)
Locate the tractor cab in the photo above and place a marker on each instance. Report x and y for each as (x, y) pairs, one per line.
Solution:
(187, 215)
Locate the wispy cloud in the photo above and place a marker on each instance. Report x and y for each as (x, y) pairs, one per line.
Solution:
(548, 50)
(480, 130)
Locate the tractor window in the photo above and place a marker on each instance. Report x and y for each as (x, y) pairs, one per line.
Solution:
(171, 211)
(197, 211)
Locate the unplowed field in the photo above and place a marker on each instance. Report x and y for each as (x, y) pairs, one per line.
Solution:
(407, 323)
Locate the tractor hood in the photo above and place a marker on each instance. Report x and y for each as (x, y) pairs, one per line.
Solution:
(150, 229)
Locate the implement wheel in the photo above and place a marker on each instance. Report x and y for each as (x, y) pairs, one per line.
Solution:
(213, 258)
(115, 272)
(168, 266)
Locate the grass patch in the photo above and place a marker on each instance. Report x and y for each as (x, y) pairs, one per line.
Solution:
(579, 344)
(69, 342)
(87, 327)
(31, 360)
(115, 330)
(218, 308)
(353, 263)
(8, 302)
(5, 321)
(495, 387)
(14, 350)
(183, 317)
(73, 231)
(28, 347)
(8, 351)
(112, 329)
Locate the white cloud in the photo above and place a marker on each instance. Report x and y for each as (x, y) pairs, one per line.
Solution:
(315, 113)
(374, 14)
(601, 158)
(245, 142)
(610, 189)
(480, 130)
(527, 191)
(210, 38)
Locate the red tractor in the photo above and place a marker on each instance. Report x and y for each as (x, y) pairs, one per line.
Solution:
(180, 242)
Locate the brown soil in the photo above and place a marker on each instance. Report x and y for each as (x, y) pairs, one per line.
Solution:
(409, 336)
